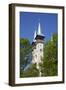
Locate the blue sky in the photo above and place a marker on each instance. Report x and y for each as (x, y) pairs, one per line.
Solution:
(29, 23)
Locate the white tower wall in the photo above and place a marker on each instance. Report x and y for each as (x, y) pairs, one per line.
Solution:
(38, 53)
(38, 47)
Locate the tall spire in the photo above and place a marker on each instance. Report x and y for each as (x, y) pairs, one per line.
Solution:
(34, 36)
(39, 29)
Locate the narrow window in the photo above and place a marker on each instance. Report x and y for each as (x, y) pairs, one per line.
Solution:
(41, 50)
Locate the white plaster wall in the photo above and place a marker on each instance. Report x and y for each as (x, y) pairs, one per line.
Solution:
(37, 54)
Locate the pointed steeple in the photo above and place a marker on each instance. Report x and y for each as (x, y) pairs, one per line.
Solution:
(39, 29)
(39, 33)
(34, 34)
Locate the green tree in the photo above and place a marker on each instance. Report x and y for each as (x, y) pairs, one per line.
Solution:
(25, 51)
(49, 62)
(32, 71)
(25, 59)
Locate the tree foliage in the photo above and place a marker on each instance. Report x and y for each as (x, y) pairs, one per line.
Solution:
(49, 62)
(25, 51)
(32, 71)
(26, 58)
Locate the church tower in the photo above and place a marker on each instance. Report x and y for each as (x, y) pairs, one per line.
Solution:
(38, 45)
